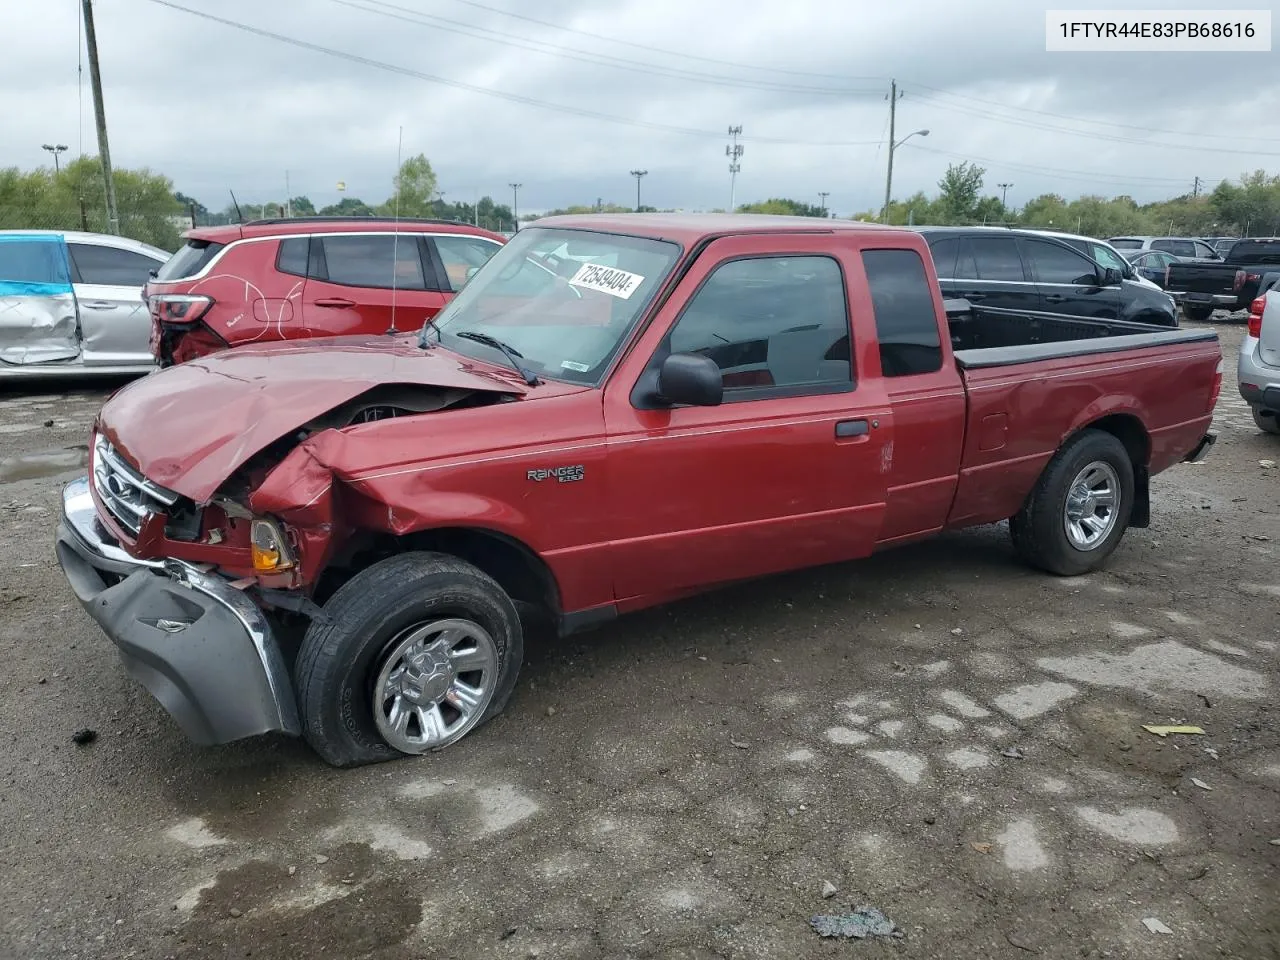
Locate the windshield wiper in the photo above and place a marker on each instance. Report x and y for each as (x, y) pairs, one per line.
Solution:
(508, 351)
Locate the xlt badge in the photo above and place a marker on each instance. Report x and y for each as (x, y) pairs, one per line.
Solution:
(563, 474)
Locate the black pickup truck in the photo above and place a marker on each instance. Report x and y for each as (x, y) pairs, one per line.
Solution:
(1200, 287)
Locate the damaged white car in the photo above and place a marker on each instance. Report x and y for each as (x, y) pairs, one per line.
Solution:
(71, 303)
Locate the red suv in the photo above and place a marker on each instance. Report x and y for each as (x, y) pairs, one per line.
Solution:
(309, 277)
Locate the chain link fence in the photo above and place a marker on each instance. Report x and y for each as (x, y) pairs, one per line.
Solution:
(159, 228)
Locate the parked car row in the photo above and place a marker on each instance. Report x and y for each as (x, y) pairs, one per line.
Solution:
(81, 303)
(109, 305)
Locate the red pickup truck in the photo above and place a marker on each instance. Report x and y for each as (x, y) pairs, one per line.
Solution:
(339, 539)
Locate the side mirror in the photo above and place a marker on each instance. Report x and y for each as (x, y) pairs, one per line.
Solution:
(692, 379)
(1111, 277)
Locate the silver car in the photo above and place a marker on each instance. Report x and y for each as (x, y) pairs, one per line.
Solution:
(1259, 368)
(71, 303)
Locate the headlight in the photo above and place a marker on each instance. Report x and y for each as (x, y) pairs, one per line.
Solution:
(270, 548)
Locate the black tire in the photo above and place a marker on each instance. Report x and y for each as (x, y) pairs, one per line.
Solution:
(1267, 422)
(1038, 529)
(339, 659)
(1197, 314)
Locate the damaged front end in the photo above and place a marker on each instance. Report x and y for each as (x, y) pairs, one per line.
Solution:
(185, 571)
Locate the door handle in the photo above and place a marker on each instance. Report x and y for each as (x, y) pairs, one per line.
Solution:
(98, 304)
(973, 296)
(335, 302)
(852, 428)
(1054, 298)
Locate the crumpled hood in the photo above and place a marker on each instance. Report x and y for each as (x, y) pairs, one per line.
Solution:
(190, 427)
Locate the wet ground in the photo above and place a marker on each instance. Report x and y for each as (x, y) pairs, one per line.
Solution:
(938, 732)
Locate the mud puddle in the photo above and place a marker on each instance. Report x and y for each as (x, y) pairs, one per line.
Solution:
(44, 463)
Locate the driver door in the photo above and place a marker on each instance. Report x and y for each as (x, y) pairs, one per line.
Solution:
(787, 472)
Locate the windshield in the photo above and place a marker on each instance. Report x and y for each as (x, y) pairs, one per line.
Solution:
(563, 300)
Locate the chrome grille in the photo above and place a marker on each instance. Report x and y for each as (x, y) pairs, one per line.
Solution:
(128, 496)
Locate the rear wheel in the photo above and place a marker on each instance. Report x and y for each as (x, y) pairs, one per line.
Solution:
(416, 652)
(1079, 509)
(1197, 314)
(1267, 421)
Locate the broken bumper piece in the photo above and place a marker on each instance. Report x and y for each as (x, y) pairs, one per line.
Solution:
(201, 647)
(1201, 449)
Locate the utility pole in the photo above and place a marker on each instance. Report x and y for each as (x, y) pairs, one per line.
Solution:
(55, 149)
(638, 174)
(95, 79)
(823, 194)
(288, 197)
(515, 202)
(893, 115)
(1004, 193)
(733, 150)
(1195, 188)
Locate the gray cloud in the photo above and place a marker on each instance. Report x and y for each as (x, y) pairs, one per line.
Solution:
(217, 108)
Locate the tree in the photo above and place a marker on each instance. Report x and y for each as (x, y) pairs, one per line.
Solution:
(958, 191)
(348, 207)
(302, 207)
(783, 206)
(415, 189)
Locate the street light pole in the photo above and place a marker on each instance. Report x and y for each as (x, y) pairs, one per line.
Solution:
(55, 149)
(638, 174)
(515, 203)
(888, 180)
(1004, 193)
(823, 194)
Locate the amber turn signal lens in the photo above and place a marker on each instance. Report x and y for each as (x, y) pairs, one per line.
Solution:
(269, 549)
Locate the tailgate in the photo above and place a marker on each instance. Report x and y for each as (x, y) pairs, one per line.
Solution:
(1205, 278)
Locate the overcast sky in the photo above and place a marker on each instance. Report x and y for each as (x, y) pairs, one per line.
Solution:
(650, 84)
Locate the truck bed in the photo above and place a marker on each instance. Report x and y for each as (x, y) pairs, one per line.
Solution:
(985, 337)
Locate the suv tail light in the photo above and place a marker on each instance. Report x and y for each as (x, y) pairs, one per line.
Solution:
(1255, 316)
(1217, 386)
(179, 307)
(1239, 280)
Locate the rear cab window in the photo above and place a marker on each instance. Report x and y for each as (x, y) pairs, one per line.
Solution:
(906, 318)
(189, 260)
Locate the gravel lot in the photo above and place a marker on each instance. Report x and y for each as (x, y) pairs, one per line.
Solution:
(682, 783)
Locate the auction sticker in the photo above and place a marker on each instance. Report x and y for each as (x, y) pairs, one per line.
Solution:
(610, 280)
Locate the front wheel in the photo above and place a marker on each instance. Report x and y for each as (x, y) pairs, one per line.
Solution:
(413, 654)
(1268, 422)
(1079, 509)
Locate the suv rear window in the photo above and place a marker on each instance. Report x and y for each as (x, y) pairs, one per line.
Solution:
(1125, 243)
(1255, 251)
(189, 260)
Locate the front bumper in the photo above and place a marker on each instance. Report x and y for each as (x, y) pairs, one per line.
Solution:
(1259, 382)
(201, 647)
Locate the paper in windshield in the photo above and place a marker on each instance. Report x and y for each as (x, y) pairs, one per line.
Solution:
(610, 280)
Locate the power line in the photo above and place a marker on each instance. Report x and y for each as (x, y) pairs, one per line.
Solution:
(664, 52)
(834, 76)
(1107, 123)
(489, 92)
(1085, 175)
(407, 15)
(1087, 134)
